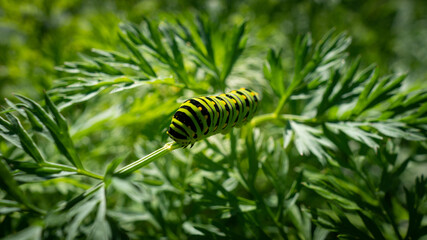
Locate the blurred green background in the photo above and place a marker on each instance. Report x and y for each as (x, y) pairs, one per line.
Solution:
(38, 35)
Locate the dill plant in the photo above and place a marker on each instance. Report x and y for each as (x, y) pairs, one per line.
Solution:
(336, 150)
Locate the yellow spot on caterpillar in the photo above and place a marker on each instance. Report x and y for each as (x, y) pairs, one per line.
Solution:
(225, 125)
(223, 102)
(222, 95)
(228, 113)
(213, 102)
(252, 93)
(206, 129)
(234, 100)
(206, 116)
(200, 108)
(167, 132)
(242, 89)
(244, 97)
(233, 92)
(215, 128)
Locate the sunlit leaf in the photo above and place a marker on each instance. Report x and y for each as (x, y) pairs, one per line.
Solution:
(308, 141)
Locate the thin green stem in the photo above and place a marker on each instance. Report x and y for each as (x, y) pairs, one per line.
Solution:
(72, 169)
(267, 209)
(393, 224)
(257, 120)
(59, 166)
(90, 174)
(295, 82)
(9, 110)
(282, 102)
(36, 209)
(84, 195)
(168, 147)
(94, 189)
(282, 117)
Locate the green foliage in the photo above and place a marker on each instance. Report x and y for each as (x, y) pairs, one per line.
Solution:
(335, 151)
(213, 55)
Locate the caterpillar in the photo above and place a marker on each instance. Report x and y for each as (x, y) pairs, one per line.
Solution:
(201, 117)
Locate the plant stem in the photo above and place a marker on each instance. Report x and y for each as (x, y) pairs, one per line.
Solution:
(168, 147)
(90, 174)
(295, 82)
(72, 169)
(282, 102)
(283, 117)
(7, 111)
(82, 196)
(126, 170)
(35, 209)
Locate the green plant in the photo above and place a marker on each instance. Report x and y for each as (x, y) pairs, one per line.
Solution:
(332, 152)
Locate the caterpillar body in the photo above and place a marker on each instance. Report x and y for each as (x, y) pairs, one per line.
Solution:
(201, 117)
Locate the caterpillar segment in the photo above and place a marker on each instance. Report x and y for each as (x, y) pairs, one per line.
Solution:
(202, 117)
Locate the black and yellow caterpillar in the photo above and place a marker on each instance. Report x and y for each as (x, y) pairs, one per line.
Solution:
(199, 118)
